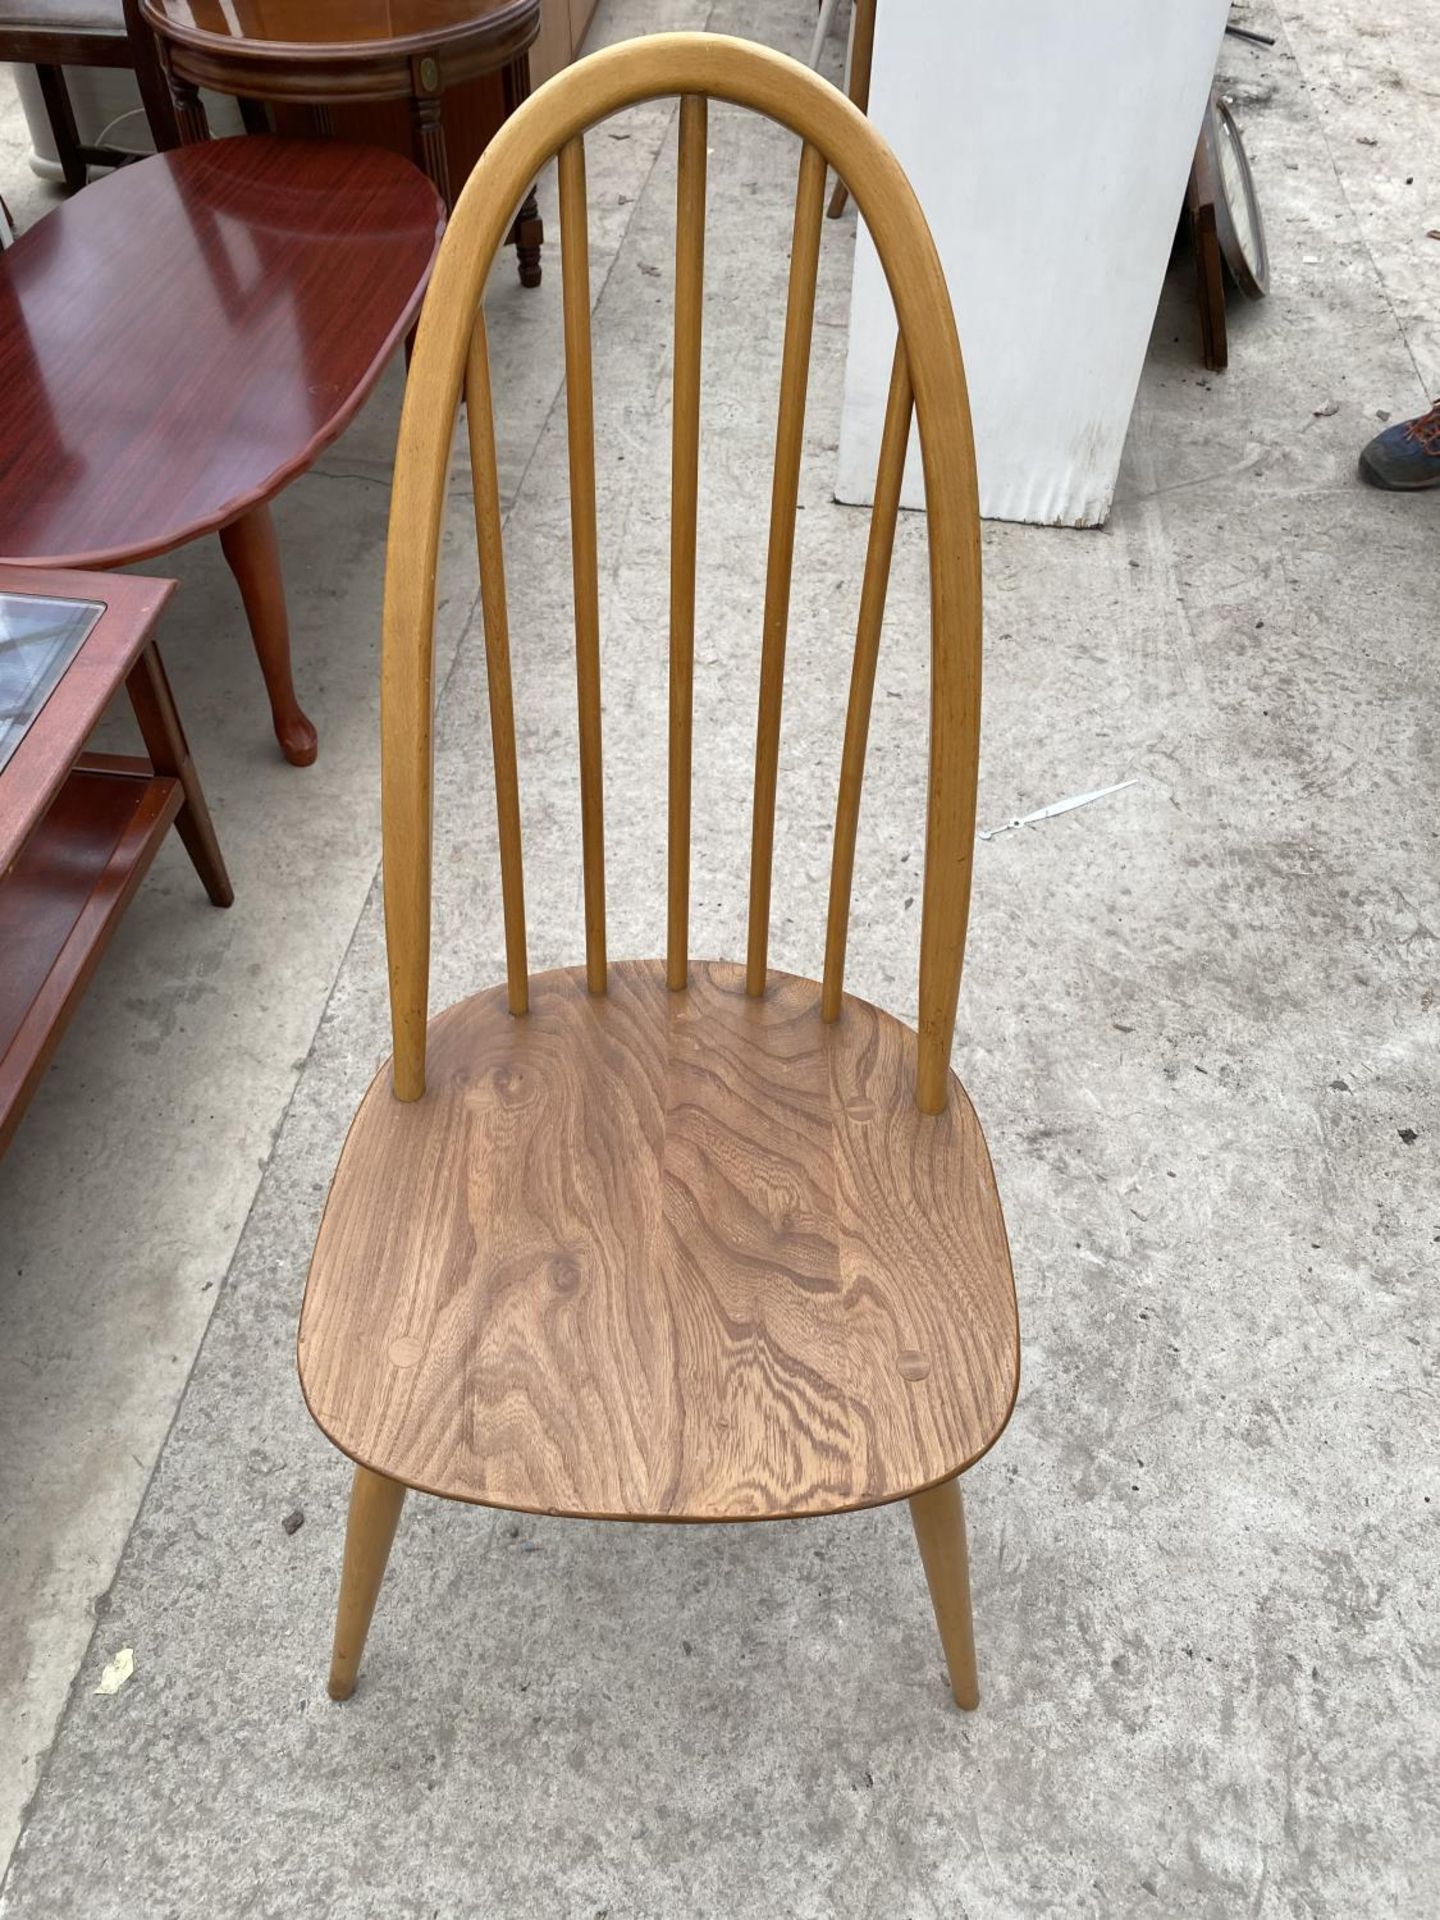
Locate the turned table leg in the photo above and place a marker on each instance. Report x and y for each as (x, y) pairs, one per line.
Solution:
(250, 548)
(527, 236)
(190, 120)
(428, 125)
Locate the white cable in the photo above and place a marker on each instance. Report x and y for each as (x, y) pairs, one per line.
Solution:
(130, 113)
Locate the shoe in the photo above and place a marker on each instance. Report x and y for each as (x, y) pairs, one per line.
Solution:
(1405, 457)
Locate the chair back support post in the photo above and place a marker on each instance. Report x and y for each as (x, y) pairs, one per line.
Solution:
(899, 409)
(780, 559)
(584, 543)
(684, 514)
(490, 547)
(927, 380)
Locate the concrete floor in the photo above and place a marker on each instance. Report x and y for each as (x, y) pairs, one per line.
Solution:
(1199, 1021)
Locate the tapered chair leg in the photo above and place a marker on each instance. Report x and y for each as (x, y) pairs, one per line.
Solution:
(250, 548)
(939, 1516)
(375, 1504)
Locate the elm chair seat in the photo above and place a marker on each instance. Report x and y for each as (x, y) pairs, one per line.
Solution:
(699, 1256)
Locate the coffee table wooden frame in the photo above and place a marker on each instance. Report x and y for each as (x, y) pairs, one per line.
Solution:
(79, 830)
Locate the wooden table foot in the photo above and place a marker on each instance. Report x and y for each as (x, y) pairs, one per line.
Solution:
(527, 236)
(250, 548)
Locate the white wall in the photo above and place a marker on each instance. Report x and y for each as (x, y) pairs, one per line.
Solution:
(1049, 142)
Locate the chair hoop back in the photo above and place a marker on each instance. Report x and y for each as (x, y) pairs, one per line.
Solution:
(451, 356)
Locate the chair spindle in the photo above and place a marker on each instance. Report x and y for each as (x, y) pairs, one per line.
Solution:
(684, 495)
(794, 376)
(580, 410)
(485, 480)
(891, 470)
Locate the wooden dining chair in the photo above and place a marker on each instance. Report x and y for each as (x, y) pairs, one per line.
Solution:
(674, 1239)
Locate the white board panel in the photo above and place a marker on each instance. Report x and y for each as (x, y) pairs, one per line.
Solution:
(1049, 144)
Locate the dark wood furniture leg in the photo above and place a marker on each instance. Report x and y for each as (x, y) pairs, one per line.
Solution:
(527, 236)
(151, 80)
(253, 555)
(428, 126)
(190, 122)
(56, 96)
(1210, 284)
(169, 752)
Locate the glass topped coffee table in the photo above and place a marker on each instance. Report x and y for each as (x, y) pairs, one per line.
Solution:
(79, 830)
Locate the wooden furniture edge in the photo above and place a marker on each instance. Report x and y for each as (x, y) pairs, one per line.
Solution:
(28, 1048)
(513, 28)
(127, 599)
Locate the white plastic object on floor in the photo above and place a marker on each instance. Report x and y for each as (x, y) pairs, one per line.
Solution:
(822, 30)
(1049, 145)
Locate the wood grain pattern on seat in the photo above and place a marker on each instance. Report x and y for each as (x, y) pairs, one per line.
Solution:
(670, 1255)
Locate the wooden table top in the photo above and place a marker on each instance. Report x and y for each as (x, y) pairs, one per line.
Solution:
(45, 754)
(182, 338)
(343, 28)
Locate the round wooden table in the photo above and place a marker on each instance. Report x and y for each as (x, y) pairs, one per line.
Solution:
(327, 52)
(182, 339)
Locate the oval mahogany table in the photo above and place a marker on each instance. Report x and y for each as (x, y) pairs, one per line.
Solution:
(181, 339)
(324, 52)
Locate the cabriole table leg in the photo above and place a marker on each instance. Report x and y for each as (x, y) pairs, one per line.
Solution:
(250, 547)
(527, 236)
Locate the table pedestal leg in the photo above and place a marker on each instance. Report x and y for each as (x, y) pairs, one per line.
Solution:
(254, 558)
(169, 753)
